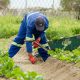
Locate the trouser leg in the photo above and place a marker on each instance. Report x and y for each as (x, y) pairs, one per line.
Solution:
(13, 50)
(15, 46)
(44, 54)
(18, 41)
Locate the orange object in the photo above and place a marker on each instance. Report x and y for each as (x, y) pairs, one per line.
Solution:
(36, 42)
(32, 59)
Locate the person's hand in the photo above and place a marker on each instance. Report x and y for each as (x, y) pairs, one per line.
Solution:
(36, 42)
(32, 59)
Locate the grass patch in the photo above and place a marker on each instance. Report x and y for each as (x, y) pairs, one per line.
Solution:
(9, 25)
(62, 27)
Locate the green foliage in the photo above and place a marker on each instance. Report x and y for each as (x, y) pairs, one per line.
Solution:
(58, 27)
(9, 25)
(68, 56)
(76, 31)
(9, 70)
(62, 27)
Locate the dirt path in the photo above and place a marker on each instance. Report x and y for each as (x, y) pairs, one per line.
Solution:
(52, 69)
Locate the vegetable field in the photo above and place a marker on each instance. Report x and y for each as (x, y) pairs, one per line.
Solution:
(58, 28)
(9, 70)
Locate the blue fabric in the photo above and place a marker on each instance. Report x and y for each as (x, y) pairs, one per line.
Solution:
(44, 54)
(27, 29)
(31, 17)
(32, 30)
(29, 47)
(13, 50)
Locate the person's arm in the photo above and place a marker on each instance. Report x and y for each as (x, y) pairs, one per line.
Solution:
(40, 40)
(29, 39)
(44, 40)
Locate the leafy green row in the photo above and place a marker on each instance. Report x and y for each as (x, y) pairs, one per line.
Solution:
(9, 70)
(69, 56)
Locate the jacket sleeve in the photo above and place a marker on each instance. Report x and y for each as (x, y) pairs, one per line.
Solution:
(44, 40)
(29, 39)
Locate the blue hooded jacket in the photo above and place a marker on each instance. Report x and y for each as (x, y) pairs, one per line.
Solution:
(29, 22)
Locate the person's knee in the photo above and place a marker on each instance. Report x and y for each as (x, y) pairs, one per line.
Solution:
(13, 50)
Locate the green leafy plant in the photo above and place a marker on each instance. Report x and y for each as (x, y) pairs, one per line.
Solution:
(69, 56)
(8, 69)
(75, 30)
